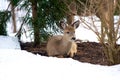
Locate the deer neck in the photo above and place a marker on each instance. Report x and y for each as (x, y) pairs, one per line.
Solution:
(65, 40)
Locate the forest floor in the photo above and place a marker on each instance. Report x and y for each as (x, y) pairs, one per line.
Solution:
(89, 52)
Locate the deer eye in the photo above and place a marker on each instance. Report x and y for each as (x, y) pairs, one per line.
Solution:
(67, 32)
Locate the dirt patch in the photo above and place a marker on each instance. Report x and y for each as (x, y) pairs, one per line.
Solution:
(89, 52)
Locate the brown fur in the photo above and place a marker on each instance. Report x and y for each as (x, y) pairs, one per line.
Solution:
(63, 44)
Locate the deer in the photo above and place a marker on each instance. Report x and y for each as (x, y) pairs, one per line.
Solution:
(63, 44)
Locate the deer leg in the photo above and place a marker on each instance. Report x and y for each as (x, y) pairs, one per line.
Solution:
(73, 50)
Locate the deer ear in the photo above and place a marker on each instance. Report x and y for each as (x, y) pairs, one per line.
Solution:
(63, 24)
(76, 24)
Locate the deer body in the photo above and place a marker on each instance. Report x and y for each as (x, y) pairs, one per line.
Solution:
(63, 44)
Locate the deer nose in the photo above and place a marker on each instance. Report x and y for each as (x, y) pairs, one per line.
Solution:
(73, 38)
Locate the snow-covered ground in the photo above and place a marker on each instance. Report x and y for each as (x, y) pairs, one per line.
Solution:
(22, 65)
(16, 64)
(7, 42)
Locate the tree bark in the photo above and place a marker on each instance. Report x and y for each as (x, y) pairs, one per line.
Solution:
(106, 15)
(13, 17)
(35, 23)
(72, 12)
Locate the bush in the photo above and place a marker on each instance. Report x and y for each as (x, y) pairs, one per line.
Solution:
(4, 17)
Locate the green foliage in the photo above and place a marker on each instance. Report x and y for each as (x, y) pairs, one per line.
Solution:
(117, 11)
(49, 13)
(25, 5)
(4, 17)
(15, 2)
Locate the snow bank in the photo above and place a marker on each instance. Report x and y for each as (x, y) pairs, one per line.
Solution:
(22, 65)
(16, 64)
(7, 42)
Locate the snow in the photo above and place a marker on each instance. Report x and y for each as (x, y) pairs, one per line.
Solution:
(7, 42)
(3, 5)
(16, 64)
(85, 34)
(22, 65)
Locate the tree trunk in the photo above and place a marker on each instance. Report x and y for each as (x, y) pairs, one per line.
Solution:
(72, 12)
(13, 17)
(35, 23)
(108, 34)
